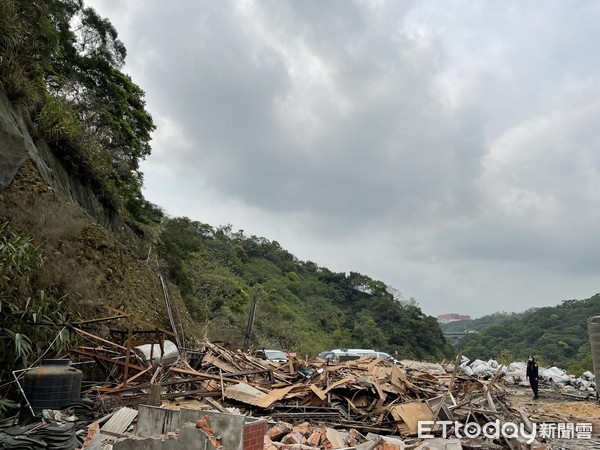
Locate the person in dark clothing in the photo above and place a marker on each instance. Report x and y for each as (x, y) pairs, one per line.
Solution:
(533, 375)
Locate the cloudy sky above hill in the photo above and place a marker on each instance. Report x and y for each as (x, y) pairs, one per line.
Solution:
(450, 149)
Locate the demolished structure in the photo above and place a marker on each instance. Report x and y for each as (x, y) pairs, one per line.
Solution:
(160, 396)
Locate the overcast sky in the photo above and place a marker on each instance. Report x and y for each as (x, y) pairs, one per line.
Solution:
(447, 148)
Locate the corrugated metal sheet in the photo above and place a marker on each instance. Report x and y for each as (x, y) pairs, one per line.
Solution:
(120, 421)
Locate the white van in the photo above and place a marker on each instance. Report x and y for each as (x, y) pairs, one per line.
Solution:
(337, 355)
(347, 354)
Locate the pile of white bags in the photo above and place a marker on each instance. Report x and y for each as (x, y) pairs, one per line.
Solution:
(554, 374)
(515, 373)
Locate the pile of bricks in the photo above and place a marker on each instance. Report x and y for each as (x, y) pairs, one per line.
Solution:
(285, 436)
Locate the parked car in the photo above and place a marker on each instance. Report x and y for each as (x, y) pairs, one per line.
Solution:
(272, 355)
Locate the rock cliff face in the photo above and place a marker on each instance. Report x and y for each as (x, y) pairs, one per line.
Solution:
(17, 147)
(82, 258)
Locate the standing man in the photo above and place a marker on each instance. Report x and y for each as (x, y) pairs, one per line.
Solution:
(533, 375)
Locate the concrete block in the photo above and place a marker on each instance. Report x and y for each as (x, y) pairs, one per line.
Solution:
(230, 427)
(189, 438)
(155, 421)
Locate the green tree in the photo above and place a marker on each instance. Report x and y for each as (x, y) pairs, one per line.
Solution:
(62, 63)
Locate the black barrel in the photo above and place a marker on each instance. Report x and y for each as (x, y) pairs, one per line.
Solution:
(52, 385)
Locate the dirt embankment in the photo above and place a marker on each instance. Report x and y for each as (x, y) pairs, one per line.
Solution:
(81, 258)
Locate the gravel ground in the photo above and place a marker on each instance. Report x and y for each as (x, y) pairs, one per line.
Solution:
(574, 444)
(554, 407)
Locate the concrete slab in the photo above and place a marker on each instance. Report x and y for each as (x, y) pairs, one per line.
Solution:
(154, 421)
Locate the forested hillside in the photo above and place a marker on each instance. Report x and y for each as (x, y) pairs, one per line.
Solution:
(301, 306)
(554, 334)
(479, 323)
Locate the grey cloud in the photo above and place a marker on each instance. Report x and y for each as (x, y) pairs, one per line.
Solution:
(455, 133)
(377, 158)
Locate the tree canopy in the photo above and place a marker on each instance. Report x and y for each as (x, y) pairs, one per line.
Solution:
(556, 334)
(62, 64)
(301, 306)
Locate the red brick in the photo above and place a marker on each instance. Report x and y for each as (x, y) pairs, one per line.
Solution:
(280, 446)
(293, 438)
(279, 430)
(351, 442)
(324, 441)
(304, 429)
(352, 432)
(387, 446)
(314, 439)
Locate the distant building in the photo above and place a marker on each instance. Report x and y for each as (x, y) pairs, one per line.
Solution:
(452, 317)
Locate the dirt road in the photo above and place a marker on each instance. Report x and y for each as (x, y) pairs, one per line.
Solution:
(555, 408)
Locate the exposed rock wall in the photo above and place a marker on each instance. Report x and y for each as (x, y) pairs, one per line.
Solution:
(17, 146)
(82, 259)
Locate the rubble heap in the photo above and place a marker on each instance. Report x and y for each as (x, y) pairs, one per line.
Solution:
(368, 404)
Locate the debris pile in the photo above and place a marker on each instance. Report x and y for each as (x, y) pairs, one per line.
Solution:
(306, 437)
(365, 403)
(368, 403)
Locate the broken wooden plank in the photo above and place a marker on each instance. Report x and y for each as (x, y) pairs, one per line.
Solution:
(318, 391)
(195, 393)
(209, 358)
(345, 380)
(244, 393)
(202, 375)
(399, 379)
(381, 394)
(410, 414)
(450, 386)
(273, 396)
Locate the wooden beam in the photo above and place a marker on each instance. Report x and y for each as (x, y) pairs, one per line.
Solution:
(135, 377)
(197, 393)
(98, 338)
(203, 375)
(318, 392)
(101, 319)
(107, 359)
(128, 354)
(151, 325)
(450, 386)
